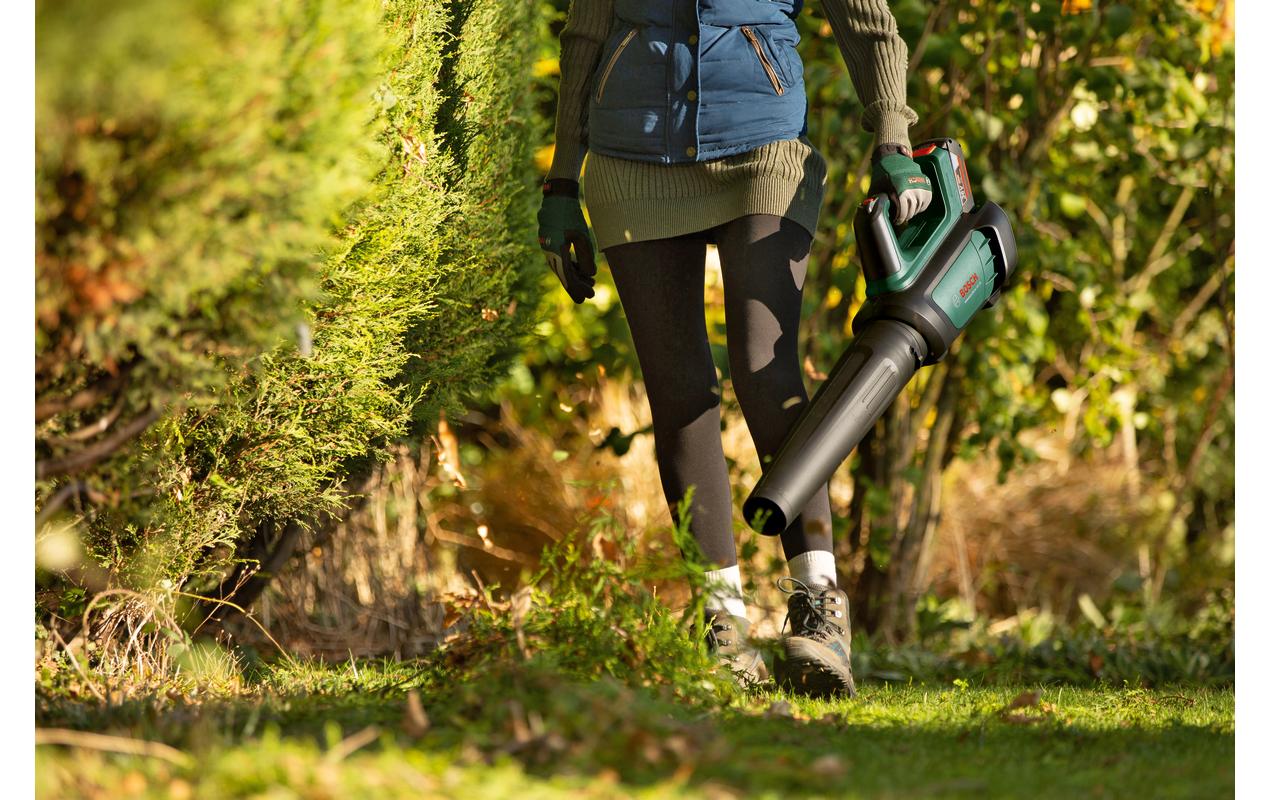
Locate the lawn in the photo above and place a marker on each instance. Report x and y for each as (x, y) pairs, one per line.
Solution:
(387, 729)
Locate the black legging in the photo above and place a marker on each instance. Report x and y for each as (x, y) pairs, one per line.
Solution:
(764, 260)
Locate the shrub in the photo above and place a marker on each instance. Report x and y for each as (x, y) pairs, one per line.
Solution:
(403, 269)
(191, 159)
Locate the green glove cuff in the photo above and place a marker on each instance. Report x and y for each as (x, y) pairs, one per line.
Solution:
(558, 215)
(895, 174)
(889, 149)
(560, 186)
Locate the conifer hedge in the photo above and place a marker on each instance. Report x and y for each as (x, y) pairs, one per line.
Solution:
(272, 238)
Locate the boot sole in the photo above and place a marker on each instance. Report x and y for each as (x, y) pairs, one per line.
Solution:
(809, 667)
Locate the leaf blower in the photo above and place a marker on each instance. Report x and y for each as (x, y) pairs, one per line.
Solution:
(924, 283)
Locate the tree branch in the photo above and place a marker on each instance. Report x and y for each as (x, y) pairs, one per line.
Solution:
(249, 581)
(83, 399)
(95, 428)
(94, 454)
(63, 494)
(1202, 297)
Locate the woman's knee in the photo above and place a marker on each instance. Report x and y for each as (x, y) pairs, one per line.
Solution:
(774, 391)
(677, 404)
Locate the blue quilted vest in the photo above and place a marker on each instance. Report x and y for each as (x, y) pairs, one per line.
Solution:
(693, 80)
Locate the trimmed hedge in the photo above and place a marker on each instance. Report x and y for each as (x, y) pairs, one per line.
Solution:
(305, 175)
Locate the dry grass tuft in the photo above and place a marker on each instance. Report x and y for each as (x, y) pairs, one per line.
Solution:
(1052, 532)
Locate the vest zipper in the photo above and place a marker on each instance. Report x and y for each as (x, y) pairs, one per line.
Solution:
(613, 59)
(763, 59)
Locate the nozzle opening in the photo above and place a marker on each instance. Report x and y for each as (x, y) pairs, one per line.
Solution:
(764, 515)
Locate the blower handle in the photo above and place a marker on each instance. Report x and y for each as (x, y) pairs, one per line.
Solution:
(882, 262)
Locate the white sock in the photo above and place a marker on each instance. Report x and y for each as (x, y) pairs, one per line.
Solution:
(723, 590)
(814, 568)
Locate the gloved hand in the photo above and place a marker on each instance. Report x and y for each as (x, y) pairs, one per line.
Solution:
(898, 175)
(561, 226)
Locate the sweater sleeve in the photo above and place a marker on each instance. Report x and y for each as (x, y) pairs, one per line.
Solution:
(878, 62)
(581, 41)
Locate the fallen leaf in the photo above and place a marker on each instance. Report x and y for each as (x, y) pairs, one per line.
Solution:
(415, 723)
(448, 451)
(828, 766)
(811, 371)
(779, 710)
(1024, 700)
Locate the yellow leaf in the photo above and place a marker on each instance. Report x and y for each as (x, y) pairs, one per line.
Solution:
(546, 66)
(543, 157)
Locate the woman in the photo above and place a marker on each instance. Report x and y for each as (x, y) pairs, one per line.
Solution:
(694, 115)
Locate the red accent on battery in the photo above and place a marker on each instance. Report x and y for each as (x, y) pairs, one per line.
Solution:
(922, 151)
(964, 178)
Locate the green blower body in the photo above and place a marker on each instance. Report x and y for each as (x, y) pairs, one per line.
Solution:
(924, 283)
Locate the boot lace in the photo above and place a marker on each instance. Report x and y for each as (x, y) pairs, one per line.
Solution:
(807, 610)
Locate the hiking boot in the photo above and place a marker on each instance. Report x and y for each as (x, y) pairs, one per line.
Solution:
(816, 657)
(727, 640)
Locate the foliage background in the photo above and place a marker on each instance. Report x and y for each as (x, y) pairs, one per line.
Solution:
(1068, 467)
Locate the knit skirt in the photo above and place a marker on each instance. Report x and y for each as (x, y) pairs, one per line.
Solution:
(634, 201)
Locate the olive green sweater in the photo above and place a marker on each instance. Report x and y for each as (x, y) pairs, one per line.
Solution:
(631, 201)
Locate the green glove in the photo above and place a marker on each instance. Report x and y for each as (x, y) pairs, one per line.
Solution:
(561, 226)
(898, 175)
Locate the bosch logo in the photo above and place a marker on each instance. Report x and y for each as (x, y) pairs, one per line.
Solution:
(969, 285)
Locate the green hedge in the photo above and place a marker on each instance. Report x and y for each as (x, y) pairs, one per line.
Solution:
(191, 159)
(349, 177)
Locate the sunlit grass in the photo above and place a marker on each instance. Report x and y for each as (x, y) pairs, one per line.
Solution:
(317, 731)
(586, 684)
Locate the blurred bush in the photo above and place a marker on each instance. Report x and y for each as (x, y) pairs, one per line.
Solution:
(273, 238)
(191, 159)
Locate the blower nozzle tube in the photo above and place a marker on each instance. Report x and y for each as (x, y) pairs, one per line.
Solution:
(862, 384)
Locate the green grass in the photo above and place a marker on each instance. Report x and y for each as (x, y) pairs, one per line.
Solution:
(587, 685)
(528, 731)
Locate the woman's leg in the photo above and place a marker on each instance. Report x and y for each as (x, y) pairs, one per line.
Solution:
(660, 284)
(764, 259)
